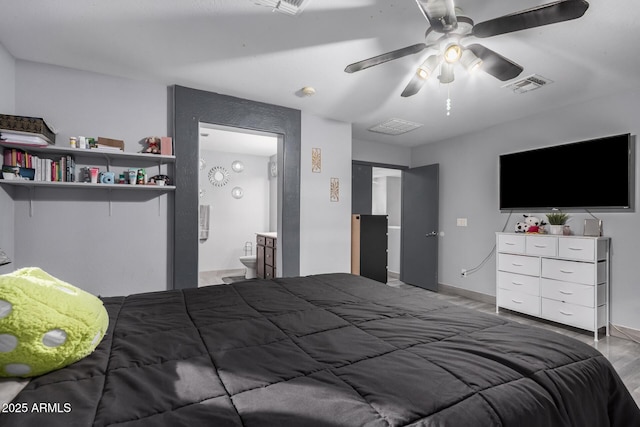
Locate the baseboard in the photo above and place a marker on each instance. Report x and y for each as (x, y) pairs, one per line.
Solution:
(624, 332)
(472, 295)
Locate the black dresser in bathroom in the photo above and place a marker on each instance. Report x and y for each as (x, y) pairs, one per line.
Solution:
(266, 247)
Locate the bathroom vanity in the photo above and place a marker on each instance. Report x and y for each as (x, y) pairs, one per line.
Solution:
(266, 247)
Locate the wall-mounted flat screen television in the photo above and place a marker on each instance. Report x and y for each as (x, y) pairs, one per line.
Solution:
(597, 173)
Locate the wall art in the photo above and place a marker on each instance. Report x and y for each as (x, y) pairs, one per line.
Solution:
(334, 190)
(316, 160)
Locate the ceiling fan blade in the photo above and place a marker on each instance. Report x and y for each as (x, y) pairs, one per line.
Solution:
(385, 57)
(495, 64)
(546, 14)
(441, 14)
(414, 86)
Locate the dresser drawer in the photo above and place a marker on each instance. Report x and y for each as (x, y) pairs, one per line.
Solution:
(519, 264)
(511, 243)
(573, 293)
(583, 249)
(519, 283)
(519, 301)
(569, 271)
(569, 314)
(261, 240)
(541, 245)
(269, 256)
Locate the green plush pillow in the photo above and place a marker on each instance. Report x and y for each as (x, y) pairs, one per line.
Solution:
(45, 323)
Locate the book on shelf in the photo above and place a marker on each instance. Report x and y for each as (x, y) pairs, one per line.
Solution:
(44, 169)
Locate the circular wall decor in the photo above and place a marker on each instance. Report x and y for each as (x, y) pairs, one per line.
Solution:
(237, 192)
(237, 166)
(218, 176)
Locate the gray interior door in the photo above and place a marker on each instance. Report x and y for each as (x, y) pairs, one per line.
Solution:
(419, 236)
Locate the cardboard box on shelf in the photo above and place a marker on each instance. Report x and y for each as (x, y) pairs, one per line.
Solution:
(107, 142)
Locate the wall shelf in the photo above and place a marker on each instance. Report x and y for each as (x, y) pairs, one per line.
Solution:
(87, 185)
(88, 153)
(89, 156)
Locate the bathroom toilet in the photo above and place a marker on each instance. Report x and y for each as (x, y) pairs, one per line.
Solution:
(249, 261)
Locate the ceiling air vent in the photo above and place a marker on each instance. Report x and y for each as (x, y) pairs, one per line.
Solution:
(290, 7)
(395, 127)
(528, 84)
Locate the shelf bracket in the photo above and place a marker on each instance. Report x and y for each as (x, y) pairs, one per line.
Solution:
(110, 202)
(32, 191)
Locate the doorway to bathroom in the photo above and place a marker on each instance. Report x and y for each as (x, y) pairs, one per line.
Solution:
(238, 197)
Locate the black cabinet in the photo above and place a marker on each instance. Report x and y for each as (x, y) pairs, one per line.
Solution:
(369, 246)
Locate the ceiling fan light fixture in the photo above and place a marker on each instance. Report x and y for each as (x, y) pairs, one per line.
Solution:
(452, 52)
(428, 66)
(470, 61)
(446, 73)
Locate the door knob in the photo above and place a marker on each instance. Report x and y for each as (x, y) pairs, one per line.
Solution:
(432, 234)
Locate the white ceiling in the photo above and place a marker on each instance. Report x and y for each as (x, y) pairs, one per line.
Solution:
(238, 48)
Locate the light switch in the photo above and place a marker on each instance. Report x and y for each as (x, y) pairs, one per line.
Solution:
(461, 222)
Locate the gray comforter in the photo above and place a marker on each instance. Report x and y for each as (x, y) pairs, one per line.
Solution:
(327, 350)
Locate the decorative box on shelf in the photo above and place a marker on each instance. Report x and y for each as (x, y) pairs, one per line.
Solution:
(27, 126)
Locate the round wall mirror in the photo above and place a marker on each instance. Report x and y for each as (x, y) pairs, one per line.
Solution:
(237, 166)
(237, 192)
(218, 176)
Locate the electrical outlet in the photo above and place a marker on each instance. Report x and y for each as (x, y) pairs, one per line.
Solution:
(463, 272)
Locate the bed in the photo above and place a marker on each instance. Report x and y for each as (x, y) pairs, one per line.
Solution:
(325, 350)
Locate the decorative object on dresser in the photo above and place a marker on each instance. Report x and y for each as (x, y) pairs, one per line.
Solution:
(266, 250)
(564, 279)
(557, 220)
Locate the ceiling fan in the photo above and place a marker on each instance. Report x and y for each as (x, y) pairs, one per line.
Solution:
(448, 29)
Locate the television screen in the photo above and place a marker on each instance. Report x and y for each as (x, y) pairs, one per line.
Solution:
(589, 174)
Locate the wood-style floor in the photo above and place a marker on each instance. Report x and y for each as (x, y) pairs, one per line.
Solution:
(624, 354)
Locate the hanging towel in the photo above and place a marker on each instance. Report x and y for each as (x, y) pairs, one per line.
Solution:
(204, 222)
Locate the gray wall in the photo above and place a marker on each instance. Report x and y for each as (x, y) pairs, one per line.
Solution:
(71, 234)
(7, 106)
(375, 152)
(469, 189)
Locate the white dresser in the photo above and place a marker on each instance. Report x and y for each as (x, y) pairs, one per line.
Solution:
(564, 279)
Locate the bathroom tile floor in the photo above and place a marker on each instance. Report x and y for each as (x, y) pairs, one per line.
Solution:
(219, 277)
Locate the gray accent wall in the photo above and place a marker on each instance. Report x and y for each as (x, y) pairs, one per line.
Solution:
(469, 189)
(192, 106)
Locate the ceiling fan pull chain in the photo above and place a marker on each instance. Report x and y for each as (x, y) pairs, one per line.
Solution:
(448, 102)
